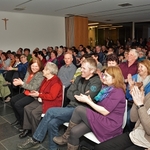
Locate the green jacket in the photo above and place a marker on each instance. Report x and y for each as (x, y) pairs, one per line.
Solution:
(4, 90)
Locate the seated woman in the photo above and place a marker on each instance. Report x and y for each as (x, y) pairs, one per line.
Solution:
(105, 118)
(4, 62)
(41, 56)
(49, 95)
(53, 57)
(32, 81)
(142, 77)
(139, 138)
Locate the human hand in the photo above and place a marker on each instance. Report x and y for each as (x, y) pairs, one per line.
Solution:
(34, 93)
(17, 82)
(137, 95)
(130, 81)
(83, 98)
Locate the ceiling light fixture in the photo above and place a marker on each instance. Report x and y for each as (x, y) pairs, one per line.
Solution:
(90, 24)
(125, 5)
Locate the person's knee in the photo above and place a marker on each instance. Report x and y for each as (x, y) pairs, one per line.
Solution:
(73, 133)
(79, 109)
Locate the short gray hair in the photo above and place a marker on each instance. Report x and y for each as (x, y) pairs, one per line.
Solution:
(135, 52)
(52, 68)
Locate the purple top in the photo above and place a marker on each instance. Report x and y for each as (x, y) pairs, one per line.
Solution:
(109, 126)
(128, 70)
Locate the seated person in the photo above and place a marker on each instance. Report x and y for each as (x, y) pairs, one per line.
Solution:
(4, 90)
(32, 81)
(17, 71)
(4, 63)
(20, 69)
(78, 71)
(105, 118)
(87, 83)
(139, 138)
(53, 57)
(142, 78)
(49, 95)
(66, 73)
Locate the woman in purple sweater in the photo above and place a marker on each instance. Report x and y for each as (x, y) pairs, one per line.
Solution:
(105, 118)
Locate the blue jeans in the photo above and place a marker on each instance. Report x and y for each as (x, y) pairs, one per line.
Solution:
(53, 118)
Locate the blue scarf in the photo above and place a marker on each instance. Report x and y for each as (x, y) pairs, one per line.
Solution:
(104, 92)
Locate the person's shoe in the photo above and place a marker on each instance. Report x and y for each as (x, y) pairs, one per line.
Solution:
(29, 143)
(7, 99)
(21, 130)
(15, 123)
(61, 140)
(24, 134)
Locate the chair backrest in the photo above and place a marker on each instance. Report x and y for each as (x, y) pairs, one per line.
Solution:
(63, 95)
(125, 116)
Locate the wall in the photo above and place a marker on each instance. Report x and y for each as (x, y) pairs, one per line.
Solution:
(28, 30)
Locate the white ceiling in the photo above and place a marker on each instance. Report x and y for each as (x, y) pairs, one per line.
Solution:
(106, 11)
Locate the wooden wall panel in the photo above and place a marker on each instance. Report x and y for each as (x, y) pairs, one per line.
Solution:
(76, 31)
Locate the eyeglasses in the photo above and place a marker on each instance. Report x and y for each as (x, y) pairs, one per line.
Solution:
(103, 75)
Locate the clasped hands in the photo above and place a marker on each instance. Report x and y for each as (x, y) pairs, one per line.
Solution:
(83, 97)
(17, 82)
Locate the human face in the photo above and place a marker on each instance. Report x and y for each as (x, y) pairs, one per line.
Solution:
(23, 59)
(26, 53)
(111, 63)
(35, 68)
(17, 59)
(131, 56)
(86, 72)
(46, 72)
(98, 49)
(53, 55)
(107, 79)
(68, 59)
(142, 70)
(60, 51)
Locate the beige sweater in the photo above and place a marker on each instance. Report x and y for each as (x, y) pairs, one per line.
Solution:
(141, 116)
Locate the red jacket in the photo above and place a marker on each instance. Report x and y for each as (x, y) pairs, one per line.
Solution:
(51, 93)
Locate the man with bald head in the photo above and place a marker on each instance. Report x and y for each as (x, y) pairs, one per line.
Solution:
(67, 71)
(66, 74)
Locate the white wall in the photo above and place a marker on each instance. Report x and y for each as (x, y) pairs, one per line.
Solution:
(30, 31)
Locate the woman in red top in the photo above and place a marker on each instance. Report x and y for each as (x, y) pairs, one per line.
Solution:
(49, 95)
(32, 81)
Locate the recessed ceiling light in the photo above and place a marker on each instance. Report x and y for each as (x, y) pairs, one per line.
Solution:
(108, 20)
(125, 5)
(19, 8)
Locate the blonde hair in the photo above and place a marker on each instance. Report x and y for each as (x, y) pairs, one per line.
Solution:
(92, 65)
(117, 76)
(146, 63)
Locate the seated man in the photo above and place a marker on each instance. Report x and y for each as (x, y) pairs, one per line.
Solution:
(87, 83)
(66, 73)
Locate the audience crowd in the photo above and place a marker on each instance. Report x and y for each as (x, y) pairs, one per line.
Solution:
(87, 87)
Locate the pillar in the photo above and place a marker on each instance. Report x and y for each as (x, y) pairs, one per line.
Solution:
(76, 31)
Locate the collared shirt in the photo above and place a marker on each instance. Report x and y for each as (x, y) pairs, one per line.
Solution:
(128, 70)
(66, 74)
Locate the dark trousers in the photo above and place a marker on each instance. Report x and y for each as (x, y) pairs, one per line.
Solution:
(121, 142)
(18, 102)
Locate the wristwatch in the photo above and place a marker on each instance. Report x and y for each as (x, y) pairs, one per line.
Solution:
(139, 106)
